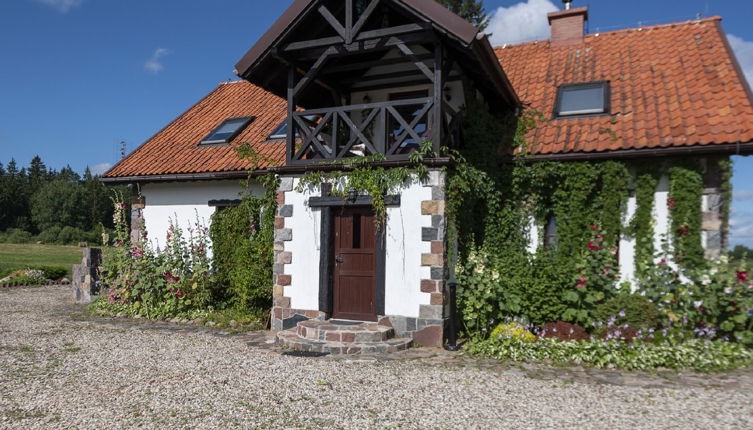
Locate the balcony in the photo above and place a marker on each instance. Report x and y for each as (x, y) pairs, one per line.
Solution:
(392, 129)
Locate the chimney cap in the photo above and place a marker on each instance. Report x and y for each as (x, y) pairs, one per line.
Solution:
(568, 12)
(567, 4)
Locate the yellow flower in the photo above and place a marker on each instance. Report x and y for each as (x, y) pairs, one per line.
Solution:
(513, 330)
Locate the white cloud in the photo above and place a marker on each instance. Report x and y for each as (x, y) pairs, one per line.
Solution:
(63, 6)
(521, 22)
(741, 228)
(100, 169)
(154, 63)
(744, 52)
(744, 195)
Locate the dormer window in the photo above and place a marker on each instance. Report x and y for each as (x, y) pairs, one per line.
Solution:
(582, 99)
(227, 131)
(280, 132)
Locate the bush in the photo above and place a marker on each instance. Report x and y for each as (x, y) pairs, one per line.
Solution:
(18, 236)
(636, 311)
(70, 235)
(50, 235)
(563, 331)
(54, 273)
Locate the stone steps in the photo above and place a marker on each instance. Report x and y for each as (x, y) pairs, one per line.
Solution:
(341, 338)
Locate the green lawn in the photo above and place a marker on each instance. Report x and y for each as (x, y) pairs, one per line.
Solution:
(21, 256)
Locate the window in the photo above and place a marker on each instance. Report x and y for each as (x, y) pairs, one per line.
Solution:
(582, 99)
(550, 233)
(227, 130)
(280, 132)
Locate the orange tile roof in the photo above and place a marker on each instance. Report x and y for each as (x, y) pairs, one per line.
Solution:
(175, 149)
(671, 85)
(674, 85)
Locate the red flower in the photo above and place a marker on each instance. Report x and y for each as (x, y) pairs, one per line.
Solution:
(582, 282)
(122, 206)
(682, 231)
(701, 309)
(179, 294)
(742, 276)
(594, 227)
(600, 236)
(672, 203)
(594, 246)
(663, 262)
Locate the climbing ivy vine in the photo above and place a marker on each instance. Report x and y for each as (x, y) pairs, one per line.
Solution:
(685, 194)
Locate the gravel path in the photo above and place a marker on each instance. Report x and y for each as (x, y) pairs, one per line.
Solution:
(61, 372)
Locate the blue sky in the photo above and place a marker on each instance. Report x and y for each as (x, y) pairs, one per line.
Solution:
(79, 76)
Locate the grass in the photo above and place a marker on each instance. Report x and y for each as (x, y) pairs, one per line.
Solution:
(14, 257)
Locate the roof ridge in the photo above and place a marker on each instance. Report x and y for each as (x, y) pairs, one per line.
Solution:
(715, 18)
(231, 82)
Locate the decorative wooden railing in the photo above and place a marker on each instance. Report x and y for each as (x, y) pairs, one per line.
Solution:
(393, 129)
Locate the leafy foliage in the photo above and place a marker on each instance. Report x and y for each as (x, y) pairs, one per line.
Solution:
(685, 193)
(242, 239)
(634, 310)
(707, 356)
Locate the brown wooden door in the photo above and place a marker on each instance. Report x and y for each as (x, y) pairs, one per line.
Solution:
(354, 289)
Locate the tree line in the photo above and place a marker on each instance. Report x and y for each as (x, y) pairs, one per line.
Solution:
(38, 203)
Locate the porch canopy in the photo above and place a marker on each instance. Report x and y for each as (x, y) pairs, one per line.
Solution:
(320, 53)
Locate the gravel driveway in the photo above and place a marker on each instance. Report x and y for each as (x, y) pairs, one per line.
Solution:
(59, 371)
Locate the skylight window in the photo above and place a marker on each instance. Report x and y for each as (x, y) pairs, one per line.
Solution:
(227, 130)
(280, 132)
(582, 99)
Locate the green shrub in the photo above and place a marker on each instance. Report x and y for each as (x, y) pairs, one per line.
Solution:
(70, 235)
(636, 311)
(18, 236)
(3, 237)
(50, 235)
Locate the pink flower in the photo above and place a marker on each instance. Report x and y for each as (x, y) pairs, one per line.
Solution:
(179, 294)
(582, 282)
(663, 262)
(741, 276)
(594, 227)
(122, 206)
(594, 246)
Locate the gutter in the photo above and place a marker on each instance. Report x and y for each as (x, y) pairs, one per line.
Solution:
(183, 177)
(722, 149)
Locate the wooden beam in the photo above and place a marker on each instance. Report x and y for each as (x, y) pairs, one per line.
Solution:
(437, 117)
(290, 144)
(418, 63)
(376, 87)
(363, 37)
(358, 132)
(306, 80)
(383, 76)
(373, 63)
(348, 21)
(395, 114)
(364, 17)
(333, 22)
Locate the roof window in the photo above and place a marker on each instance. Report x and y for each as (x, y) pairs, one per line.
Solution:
(582, 99)
(280, 132)
(227, 130)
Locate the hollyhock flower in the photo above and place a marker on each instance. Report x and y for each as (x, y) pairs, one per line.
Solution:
(122, 206)
(741, 276)
(593, 246)
(581, 282)
(672, 203)
(594, 227)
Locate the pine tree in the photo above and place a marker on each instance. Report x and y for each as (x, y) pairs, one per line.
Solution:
(471, 10)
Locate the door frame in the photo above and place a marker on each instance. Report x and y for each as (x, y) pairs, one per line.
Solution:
(328, 204)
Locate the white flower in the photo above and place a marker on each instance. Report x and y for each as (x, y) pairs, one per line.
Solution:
(729, 291)
(706, 280)
(697, 304)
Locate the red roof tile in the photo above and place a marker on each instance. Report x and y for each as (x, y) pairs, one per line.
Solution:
(175, 149)
(671, 85)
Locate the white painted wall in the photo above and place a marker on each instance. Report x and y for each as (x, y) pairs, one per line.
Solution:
(402, 286)
(183, 202)
(404, 247)
(305, 247)
(627, 246)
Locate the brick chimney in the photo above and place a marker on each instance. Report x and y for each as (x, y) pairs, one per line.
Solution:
(568, 26)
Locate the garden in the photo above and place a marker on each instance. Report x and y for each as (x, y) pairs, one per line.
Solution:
(563, 302)
(227, 286)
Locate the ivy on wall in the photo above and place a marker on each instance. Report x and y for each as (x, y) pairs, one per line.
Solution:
(685, 194)
(642, 224)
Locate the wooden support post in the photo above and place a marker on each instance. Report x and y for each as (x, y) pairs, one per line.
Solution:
(290, 149)
(438, 116)
(348, 21)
